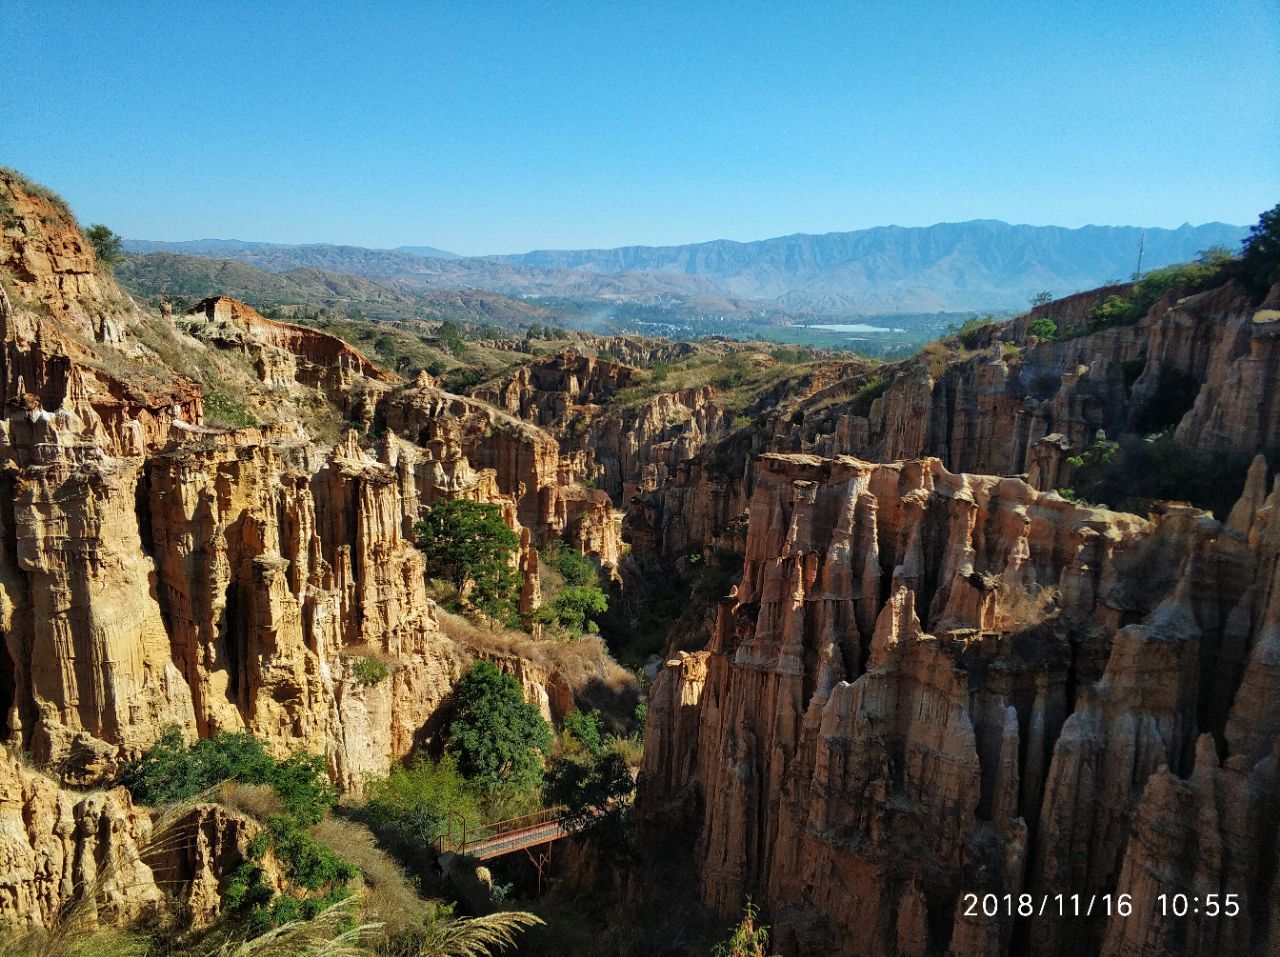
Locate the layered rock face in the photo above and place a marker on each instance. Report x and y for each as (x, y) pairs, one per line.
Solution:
(156, 570)
(932, 684)
(1208, 362)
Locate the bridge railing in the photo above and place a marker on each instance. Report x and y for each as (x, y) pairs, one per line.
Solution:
(460, 836)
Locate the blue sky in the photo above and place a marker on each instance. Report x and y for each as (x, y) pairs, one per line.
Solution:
(502, 127)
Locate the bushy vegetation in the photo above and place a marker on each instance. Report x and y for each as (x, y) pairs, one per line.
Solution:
(170, 771)
(749, 939)
(867, 393)
(1136, 471)
(572, 596)
(1260, 257)
(593, 788)
(496, 737)
(969, 331)
(107, 245)
(574, 567)
(370, 671)
(1211, 267)
(1045, 329)
(469, 545)
(417, 804)
(222, 411)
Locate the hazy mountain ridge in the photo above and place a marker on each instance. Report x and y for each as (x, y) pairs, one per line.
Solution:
(176, 275)
(982, 264)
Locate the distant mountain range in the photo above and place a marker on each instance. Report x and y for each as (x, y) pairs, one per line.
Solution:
(178, 276)
(977, 265)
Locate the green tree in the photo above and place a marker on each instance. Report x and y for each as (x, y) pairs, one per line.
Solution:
(574, 567)
(450, 335)
(1260, 256)
(585, 727)
(1040, 298)
(574, 607)
(414, 806)
(497, 738)
(469, 544)
(593, 790)
(1045, 329)
(106, 244)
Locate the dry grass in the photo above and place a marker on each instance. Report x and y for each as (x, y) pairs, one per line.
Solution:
(258, 801)
(390, 897)
(580, 663)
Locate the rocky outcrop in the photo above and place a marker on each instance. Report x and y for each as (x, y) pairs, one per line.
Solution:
(931, 684)
(285, 355)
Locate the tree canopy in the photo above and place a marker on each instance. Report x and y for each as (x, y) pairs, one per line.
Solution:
(469, 544)
(497, 738)
(106, 244)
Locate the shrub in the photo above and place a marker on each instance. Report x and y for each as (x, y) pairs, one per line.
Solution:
(370, 671)
(222, 411)
(749, 939)
(106, 244)
(867, 393)
(450, 336)
(170, 771)
(574, 567)
(1112, 311)
(584, 727)
(497, 738)
(469, 544)
(573, 608)
(968, 331)
(1260, 257)
(1045, 329)
(415, 806)
(1142, 471)
(592, 789)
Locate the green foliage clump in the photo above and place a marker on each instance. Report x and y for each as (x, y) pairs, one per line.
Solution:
(1045, 329)
(968, 332)
(414, 806)
(1184, 279)
(1260, 256)
(1099, 453)
(170, 771)
(593, 789)
(370, 671)
(749, 939)
(106, 244)
(867, 393)
(450, 336)
(1141, 471)
(497, 738)
(585, 729)
(222, 411)
(468, 544)
(574, 609)
(574, 567)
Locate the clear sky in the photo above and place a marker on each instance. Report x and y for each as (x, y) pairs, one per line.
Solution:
(500, 127)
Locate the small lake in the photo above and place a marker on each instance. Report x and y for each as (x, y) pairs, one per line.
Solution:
(854, 327)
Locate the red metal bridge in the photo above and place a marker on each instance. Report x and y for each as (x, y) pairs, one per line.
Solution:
(505, 837)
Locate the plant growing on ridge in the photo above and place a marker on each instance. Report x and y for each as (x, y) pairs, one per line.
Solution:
(497, 738)
(470, 545)
(107, 245)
